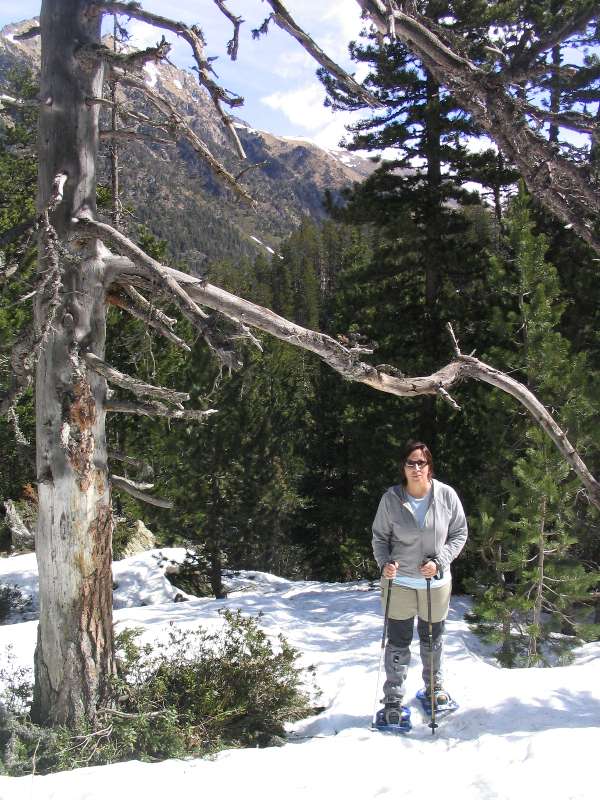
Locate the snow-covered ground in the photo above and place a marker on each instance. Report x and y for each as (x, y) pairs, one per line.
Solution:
(518, 733)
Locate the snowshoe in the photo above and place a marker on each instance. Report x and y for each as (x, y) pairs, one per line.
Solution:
(393, 719)
(442, 709)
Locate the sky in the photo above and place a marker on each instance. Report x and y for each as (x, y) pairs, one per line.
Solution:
(517, 734)
(274, 74)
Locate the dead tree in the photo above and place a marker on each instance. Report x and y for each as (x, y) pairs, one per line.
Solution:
(86, 264)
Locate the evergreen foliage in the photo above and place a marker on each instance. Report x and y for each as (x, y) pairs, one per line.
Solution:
(194, 694)
(18, 175)
(532, 584)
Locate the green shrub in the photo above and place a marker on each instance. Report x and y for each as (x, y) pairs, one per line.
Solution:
(12, 599)
(191, 695)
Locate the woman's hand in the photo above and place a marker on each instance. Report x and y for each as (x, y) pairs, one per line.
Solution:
(428, 569)
(390, 569)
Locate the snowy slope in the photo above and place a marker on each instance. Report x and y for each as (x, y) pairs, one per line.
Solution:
(518, 733)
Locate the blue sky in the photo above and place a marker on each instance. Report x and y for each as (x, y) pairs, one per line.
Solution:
(274, 74)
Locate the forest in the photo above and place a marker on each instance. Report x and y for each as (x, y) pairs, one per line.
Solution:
(284, 469)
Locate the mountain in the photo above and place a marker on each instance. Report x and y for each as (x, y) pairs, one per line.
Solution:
(169, 189)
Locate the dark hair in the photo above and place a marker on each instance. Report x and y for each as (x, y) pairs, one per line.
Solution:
(408, 449)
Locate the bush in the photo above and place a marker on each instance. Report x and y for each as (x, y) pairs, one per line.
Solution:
(195, 694)
(12, 600)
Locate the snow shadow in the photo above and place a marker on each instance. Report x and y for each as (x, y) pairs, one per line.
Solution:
(516, 718)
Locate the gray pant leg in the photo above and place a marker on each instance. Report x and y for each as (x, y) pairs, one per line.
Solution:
(397, 658)
(434, 653)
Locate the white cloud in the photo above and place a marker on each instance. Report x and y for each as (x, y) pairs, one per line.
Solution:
(294, 64)
(304, 108)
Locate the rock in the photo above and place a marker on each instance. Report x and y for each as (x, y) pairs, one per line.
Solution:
(21, 537)
(141, 539)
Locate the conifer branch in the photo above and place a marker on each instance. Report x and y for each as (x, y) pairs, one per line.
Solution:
(563, 187)
(123, 458)
(30, 33)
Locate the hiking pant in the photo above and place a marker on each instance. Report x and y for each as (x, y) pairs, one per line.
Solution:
(400, 634)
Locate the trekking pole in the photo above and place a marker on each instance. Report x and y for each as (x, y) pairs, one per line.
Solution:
(432, 724)
(382, 652)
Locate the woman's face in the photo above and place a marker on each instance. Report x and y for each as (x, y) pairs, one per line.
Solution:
(416, 469)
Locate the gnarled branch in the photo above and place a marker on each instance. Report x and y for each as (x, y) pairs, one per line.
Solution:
(147, 317)
(139, 388)
(233, 43)
(138, 491)
(193, 36)
(127, 61)
(156, 409)
(179, 123)
(143, 269)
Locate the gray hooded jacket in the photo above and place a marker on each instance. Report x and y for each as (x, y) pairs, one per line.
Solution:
(397, 536)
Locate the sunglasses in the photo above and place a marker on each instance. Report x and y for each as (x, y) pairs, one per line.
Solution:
(415, 464)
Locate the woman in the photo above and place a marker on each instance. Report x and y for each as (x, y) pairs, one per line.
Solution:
(419, 529)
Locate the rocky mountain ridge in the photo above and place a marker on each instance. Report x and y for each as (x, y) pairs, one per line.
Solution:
(168, 188)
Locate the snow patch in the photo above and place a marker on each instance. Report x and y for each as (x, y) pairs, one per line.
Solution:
(152, 71)
(513, 730)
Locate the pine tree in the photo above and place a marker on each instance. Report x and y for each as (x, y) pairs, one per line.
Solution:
(534, 582)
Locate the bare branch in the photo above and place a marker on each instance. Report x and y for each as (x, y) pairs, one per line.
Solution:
(152, 268)
(17, 102)
(130, 135)
(454, 339)
(139, 388)
(30, 33)
(574, 121)
(121, 302)
(233, 43)
(148, 307)
(480, 371)
(448, 399)
(127, 61)
(285, 21)
(341, 358)
(193, 36)
(158, 272)
(156, 409)
(185, 130)
(143, 466)
(137, 490)
(28, 226)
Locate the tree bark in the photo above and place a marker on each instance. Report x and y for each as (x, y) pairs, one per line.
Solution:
(534, 635)
(74, 654)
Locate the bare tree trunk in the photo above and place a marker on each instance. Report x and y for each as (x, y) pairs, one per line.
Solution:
(532, 647)
(506, 647)
(74, 655)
